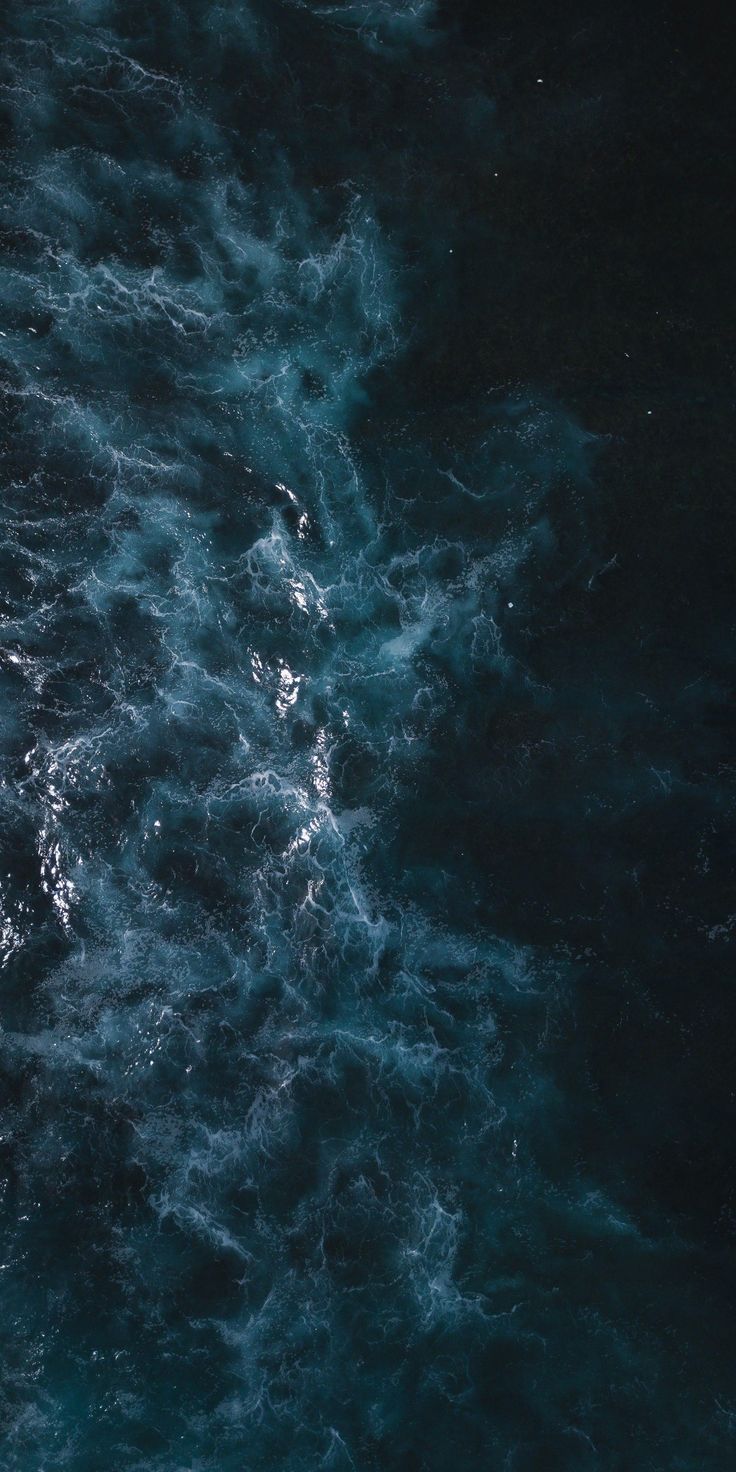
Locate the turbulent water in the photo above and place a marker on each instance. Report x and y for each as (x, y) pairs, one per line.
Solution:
(364, 990)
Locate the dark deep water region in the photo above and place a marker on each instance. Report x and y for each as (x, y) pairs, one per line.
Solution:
(367, 1062)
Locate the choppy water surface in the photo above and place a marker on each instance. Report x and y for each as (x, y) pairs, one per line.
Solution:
(363, 1051)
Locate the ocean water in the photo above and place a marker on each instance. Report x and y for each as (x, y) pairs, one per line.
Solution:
(367, 1060)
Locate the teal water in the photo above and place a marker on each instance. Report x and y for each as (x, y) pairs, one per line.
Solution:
(366, 596)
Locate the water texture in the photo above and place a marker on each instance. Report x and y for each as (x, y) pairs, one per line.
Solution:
(365, 797)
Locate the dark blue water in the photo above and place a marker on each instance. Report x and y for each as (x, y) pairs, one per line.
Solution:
(366, 648)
